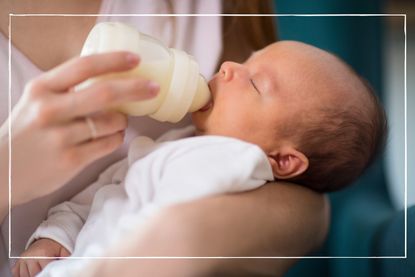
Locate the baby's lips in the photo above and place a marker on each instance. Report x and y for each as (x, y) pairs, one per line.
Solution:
(206, 107)
(210, 103)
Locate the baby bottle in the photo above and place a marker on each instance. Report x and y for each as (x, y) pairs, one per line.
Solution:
(182, 88)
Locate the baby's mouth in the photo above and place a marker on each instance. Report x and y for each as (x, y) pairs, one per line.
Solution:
(210, 103)
(207, 106)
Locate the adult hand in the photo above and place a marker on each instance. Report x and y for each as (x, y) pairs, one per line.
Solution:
(56, 132)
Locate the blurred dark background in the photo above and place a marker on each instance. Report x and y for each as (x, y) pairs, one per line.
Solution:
(368, 219)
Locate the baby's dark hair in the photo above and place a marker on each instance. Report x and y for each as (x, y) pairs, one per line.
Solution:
(341, 143)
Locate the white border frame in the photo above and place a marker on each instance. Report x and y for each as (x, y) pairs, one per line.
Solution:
(11, 15)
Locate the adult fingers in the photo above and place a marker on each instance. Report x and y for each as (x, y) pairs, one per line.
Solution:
(82, 154)
(111, 93)
(77, 70)
(102, 96)
(78, 131)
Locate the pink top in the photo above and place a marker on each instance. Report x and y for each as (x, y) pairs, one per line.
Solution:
(199, 36)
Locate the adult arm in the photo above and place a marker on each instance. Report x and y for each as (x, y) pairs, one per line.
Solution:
(278, 219)
(51, 139)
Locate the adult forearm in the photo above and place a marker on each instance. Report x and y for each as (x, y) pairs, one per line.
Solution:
(276, 220)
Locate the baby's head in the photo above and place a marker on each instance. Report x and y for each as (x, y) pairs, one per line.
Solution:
(318, 122)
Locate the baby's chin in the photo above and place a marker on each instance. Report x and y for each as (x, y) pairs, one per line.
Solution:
(201, 117)
(199, 121)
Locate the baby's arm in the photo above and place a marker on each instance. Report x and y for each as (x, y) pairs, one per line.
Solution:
(209, 166)
(217, 165)
(56, 236)
(65, 220)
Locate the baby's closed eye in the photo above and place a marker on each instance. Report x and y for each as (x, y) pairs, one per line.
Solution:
(254, 86)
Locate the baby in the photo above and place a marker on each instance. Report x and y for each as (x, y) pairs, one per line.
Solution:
(318, 122)
(290, 112)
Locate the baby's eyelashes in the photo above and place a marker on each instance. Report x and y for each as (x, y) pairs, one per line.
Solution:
(255, 87)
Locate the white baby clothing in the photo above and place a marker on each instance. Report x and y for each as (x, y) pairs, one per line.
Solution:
(155, 174)
(199, 36)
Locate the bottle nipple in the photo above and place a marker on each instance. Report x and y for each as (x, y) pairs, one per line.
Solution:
(187, 91)
(202, 95)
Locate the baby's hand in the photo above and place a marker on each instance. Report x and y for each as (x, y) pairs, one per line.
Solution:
(40, 248)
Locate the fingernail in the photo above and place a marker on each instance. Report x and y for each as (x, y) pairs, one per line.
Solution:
(132, 59)
(153, 87)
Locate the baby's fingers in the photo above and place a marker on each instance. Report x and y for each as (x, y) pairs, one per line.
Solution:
(63, 252)
(15, 270)
(26, 268)
(21, 270)
(44, 262)
(33, 267)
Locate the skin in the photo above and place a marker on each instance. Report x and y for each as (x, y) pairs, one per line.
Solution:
(190, 225)
(42, 247)
(209, 219)
(48, 119)
(248, 97)
(61, 41)
(263, 97)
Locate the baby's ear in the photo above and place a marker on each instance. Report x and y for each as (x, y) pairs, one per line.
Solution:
(287, 162)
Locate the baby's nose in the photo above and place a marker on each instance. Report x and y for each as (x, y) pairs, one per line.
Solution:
(229, 69)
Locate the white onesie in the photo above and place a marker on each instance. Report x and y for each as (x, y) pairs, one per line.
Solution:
(154, 175)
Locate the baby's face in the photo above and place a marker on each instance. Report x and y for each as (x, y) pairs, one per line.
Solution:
(274, 88)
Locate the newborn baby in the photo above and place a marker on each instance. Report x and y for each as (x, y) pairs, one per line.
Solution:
(290, 112)
(318, 122)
